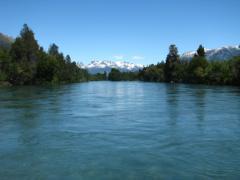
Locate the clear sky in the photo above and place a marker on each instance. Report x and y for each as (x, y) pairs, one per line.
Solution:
(138, 31)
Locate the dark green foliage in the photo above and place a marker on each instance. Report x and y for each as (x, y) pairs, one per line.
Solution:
(24, 56)
(171, 71)
(56, 68)
(129, 76)
(153, 73)
(218, 73)
(235, 70)
(27, 63)
(116, 75)
(98, 77)
(53, 50)
(4, 63)
(198, 70)
(47, 69)
(25, 47)
(201, 51)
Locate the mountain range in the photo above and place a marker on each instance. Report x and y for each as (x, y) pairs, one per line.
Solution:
(106, 66)
(221, 54)
(5, 41)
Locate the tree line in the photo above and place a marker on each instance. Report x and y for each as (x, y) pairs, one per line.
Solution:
(114, 75)
(26, 63)
(198, 70)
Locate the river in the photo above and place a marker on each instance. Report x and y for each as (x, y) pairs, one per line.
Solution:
(120, 130)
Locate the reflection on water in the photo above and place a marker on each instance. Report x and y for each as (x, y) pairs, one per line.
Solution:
(172, 92)
(200, 104)
(116, 130)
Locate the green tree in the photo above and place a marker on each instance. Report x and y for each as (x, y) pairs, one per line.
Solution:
(114, 75)
(53, 50)
(25, 47)
(4, 63)
(171, 70)
(219, 72)
(152, 73)
(24, 56)
(235, 67)
(30, 64)
(197, 70)
(47, 69)
(201, 51)
(68, 59)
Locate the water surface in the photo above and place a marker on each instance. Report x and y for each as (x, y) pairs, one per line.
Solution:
(120, 130)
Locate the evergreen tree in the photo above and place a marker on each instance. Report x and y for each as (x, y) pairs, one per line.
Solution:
(24, 56)
(4, 63)
(47, 69)
(197, 70)
(53, 50)
(172, 64)
(235, 66)
(25, 47)
(114, 75)
(68, 59)
(30, 64)
(201, 51)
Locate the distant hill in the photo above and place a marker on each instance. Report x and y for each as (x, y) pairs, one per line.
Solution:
(5, 41)
(223, 53)
(105, 66)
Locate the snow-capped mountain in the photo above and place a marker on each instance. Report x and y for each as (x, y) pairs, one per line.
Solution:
(5, 41)
(106, 66)
(223, 53)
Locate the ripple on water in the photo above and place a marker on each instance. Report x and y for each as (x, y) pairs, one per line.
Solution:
(116, 130)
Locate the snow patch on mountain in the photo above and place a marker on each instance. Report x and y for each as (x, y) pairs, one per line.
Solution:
(223, 53)
(5, 41)
(97, 66)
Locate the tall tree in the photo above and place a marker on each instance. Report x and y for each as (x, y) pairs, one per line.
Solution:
(25, 47)
(114, 75)
(236, 70)
(196, 70)
(53, 50)
(24, 55)
(201, 51)
(4, 63)
(172, 64)
(68, 59)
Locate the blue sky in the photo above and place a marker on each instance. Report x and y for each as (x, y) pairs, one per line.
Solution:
(138, 31)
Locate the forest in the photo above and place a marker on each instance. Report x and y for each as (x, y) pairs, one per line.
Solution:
(27, 63)
(198, 70)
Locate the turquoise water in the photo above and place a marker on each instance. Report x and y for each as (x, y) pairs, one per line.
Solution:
(120, 130)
